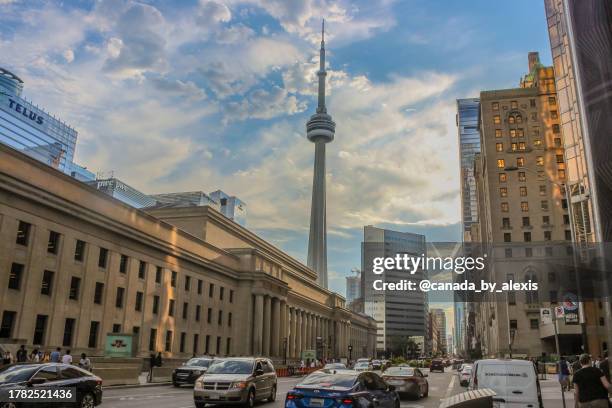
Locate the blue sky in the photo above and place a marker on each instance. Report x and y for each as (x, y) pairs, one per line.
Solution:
(201, 95)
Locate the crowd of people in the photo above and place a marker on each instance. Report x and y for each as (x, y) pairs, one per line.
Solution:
(589, 379)
(39, 356)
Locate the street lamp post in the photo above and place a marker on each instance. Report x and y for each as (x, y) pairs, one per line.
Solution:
(350, 350)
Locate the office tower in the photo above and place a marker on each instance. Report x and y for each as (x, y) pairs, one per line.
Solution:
(440, 317)
(398, 313)
(353, 286)
(469, 145)
(581, 44)
(28, 128)
(320, 130)
(523, 214)
(230, 206)
(123, 192)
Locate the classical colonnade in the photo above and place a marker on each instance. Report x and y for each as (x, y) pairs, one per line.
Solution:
(281, 328)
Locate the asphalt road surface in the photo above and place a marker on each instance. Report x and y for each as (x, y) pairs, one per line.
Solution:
(440, 385)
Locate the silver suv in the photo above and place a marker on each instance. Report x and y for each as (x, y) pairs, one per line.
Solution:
(236, 381)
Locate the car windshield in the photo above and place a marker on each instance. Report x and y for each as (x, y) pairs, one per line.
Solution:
(200, 362)
(361, 365)
(335, 365)
(399, 371)
(327, 380)
(466, 370)
(18, 373)
(231, 367)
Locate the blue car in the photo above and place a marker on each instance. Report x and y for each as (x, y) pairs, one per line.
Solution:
(342, 389)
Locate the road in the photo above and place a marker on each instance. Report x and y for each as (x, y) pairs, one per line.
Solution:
(440, 385)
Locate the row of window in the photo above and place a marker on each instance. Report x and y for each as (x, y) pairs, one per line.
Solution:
(16, 274)
(552, 101)
(527, 236)
(526, 221)
(503, 191)
(23, 238)
(505, 206)
(548, 251)
(40, 328)
(520, 161)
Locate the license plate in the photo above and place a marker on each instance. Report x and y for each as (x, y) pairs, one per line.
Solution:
(317, 402)
(213, 395)
(395, 382)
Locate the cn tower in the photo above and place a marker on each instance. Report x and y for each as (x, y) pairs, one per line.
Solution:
(320, 130)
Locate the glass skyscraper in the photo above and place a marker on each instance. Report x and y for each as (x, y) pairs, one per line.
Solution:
(397, 313)
(29, 129)
(469, 144)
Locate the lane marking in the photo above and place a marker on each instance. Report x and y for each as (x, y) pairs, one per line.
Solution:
(450, 387)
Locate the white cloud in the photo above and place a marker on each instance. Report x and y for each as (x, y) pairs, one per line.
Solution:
(68, 55)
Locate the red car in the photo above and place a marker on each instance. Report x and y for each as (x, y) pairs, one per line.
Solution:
(407, 380)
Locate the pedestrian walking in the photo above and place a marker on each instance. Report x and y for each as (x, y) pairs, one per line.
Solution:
(564, 373)
(7, 358)
(46, 357)
(22, 354)
(55, 356)
(590, 385)
(604, 366)
(158, 359)
(67, 358)
(85, 362)
(35, 356)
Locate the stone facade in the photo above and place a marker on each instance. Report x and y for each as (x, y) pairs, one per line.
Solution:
(76, 264)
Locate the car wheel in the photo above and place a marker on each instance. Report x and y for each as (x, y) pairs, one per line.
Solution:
(397, 403)
(272, 396)
(87, 401)
(200, 405)
(250, 401)
(176, 384)
(426, 393)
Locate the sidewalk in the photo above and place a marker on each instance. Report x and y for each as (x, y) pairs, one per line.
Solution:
(551, 393)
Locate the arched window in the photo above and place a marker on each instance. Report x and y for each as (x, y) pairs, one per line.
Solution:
(531, 296)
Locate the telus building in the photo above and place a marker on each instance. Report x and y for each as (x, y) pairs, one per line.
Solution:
(26, 127)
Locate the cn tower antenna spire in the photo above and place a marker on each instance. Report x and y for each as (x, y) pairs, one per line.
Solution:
(320, 130)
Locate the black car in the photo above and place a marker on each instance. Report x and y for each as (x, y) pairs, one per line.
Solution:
(44, 376)
(189, 372)
(436, 365)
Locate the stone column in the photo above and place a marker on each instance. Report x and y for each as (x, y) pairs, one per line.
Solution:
(276, 323)
(292, 332)
(284, 328)
(266, 326)
(258, 325)
(304, 333)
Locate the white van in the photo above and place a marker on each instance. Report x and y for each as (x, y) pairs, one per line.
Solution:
(514, 381)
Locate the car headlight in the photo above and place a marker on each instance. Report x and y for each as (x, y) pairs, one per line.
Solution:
(239, 385)
(197, 372)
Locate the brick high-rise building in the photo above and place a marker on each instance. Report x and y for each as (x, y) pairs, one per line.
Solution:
(523, 215)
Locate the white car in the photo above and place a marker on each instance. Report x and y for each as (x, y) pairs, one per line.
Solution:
(362, 366)
(514, 381)
(464, 375)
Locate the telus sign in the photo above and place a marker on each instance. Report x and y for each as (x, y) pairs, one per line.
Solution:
(28, 113)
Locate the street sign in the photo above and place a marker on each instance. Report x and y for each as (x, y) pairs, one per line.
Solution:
(559, 312)
(571, 318)
(309, 355)
(545, 315)
(570, 301)
(118, 345)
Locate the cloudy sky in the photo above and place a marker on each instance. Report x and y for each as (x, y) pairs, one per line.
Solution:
(201, 95)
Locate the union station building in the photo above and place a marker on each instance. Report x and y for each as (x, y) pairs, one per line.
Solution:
(77, 265)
